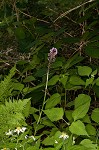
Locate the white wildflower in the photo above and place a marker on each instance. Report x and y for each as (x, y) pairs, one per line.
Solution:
(10, 132)
(19, 130)
(32, 137)
(5, 148)
(26, 137)
(64, 136)
(73, 140)
(56, 142)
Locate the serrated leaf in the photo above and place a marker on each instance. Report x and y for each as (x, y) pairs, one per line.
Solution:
(53, 101)
(81, 100)
(95, 115)
(82, 104)
(84, 70)
(78, 128)
(54, 114)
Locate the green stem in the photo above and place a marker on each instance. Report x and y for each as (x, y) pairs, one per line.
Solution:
(44, 98)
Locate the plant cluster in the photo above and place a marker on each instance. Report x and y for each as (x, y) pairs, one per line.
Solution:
(49, 100)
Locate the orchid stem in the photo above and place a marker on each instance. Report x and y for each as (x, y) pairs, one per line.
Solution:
(47, 75)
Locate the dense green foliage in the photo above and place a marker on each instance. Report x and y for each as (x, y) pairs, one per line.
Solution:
(44, 104)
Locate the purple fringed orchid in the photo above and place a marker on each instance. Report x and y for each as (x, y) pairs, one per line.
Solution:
(52, 54)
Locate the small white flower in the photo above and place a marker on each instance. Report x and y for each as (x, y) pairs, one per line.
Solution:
(19, 130)
(73, 140)
(26, 137)
(92, 75)
(10, 132)
(64, 136)
(32, 137)
(5, 148)
(56, 142)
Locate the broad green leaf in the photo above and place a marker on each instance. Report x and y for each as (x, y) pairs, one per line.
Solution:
(95, 115)
(81, 106)
(81, 111)
(18, 86)
(29, 79)
(53, 101)
(89, 144)
(53, 80)
(84, 70)
(90, 129)
(54, 114)
(75, 80)
(81, 100)
(77, 147)
(78, 128)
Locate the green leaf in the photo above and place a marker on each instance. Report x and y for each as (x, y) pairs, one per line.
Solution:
(53, 80)
(95, 115)
(90, 129)
(86, 119)
(19, 32)
(75, 80)
(92, 49)
(81, 100)
(32, 148)
(48, 141)
(63, 80)
(29, 79)
(97, 81)
(77, 147)
(89, 81)
(53, 101)
(84, 70)
(68, 114)
(82, 107)
(89, 144)
(54, 114)
(78, 128)
(18, 86)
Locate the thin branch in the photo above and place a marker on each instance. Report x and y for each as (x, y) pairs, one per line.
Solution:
(32, 16)
(67, 12)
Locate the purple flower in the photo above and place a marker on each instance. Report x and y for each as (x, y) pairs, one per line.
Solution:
(52, 54)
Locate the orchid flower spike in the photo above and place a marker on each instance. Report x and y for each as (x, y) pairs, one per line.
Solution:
(52, 54)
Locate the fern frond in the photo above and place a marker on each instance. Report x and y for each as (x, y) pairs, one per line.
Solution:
(12, 115)
(6, 86)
